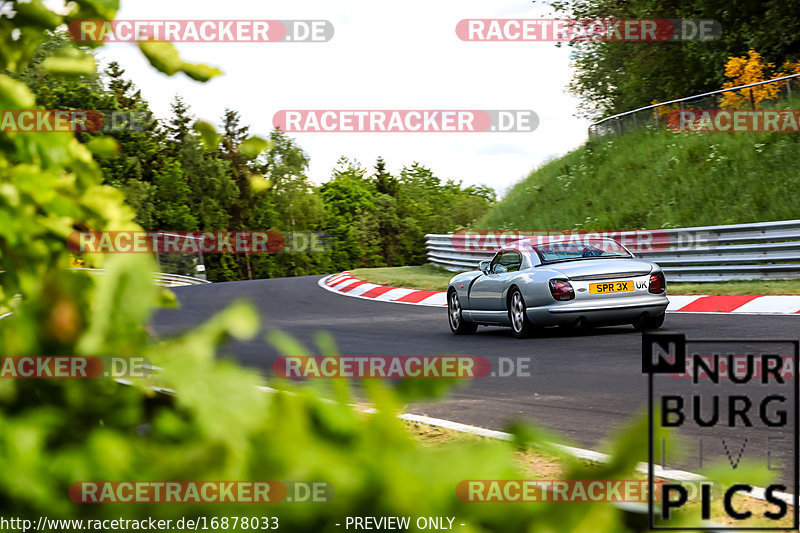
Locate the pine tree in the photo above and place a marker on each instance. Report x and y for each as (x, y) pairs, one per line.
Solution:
(248, 210)
(385, 183)
(123, 90)
(233, 136)
(180, 123)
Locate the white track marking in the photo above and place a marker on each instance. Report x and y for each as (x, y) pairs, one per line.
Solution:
(771, 304)
(762, 305)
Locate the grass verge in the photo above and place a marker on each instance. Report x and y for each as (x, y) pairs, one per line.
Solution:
(654, 178)
(429, 277)
(535, 465)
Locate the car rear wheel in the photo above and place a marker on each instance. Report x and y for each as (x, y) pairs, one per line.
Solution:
(650, 322)
(521, 327)
(458, 325)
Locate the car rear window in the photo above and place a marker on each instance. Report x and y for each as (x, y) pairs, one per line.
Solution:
(584, 249)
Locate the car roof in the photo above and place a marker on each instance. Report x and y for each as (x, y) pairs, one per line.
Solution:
(518, 246)
(527, 244)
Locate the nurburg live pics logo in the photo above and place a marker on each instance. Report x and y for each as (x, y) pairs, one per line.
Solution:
(738, 413)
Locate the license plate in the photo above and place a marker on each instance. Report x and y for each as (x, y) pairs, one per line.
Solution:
(611, 286)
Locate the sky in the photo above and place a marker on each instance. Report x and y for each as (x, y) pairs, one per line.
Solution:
(383, 55)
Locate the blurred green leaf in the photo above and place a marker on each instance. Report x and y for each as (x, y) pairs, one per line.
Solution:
(103, 146)
(76, 63)
(96, 9)
(259, 183)
(208, 135)
(14, 94)
(200, 72)
(746, 471)
(286, 344)
(123, 299)
(35, 13)
(167, 299)
(252, 146)
(163, 56)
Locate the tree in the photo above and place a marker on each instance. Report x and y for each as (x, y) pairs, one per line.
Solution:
(249, 209)
(124, 91)
(420, 198)
(239, 167)
(613, 77)
(744, 71)
(385, 183)
(175, 181)
(180, 124)
(352, 219)
(211, 190)
(173, 208)
(140, 151)
(298, 208)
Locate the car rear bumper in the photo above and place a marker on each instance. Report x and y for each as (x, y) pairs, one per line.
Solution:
(616, 311)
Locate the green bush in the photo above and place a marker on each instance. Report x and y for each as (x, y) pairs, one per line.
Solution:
(218, 425)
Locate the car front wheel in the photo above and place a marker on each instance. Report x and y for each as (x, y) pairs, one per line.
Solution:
(458, 325)
(521, 327)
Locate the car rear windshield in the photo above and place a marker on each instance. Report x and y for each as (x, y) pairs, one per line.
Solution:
(553, 252)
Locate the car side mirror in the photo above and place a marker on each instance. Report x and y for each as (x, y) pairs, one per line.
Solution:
(484, 266)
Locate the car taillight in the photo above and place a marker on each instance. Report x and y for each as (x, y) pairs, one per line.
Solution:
(561, 290)
(657, 283)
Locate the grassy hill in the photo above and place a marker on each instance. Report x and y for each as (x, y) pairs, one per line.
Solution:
(654, 179)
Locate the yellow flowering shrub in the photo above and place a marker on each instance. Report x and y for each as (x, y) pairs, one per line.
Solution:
(743, 71)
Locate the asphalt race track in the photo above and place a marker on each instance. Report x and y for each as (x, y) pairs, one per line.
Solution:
(583, 385)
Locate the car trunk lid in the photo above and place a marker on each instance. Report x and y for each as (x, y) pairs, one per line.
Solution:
(594, 279)
(602, 269)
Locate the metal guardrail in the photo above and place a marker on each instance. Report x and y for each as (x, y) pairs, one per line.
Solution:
(761, 251)
(176, 280)
(649, 114)
(162, 279)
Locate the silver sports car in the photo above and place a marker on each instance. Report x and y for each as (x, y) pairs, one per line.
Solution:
(530, 284)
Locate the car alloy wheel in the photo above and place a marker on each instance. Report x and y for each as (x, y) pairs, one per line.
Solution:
(521, 326)
(458, 324)
(517, 312)
(454, 310)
